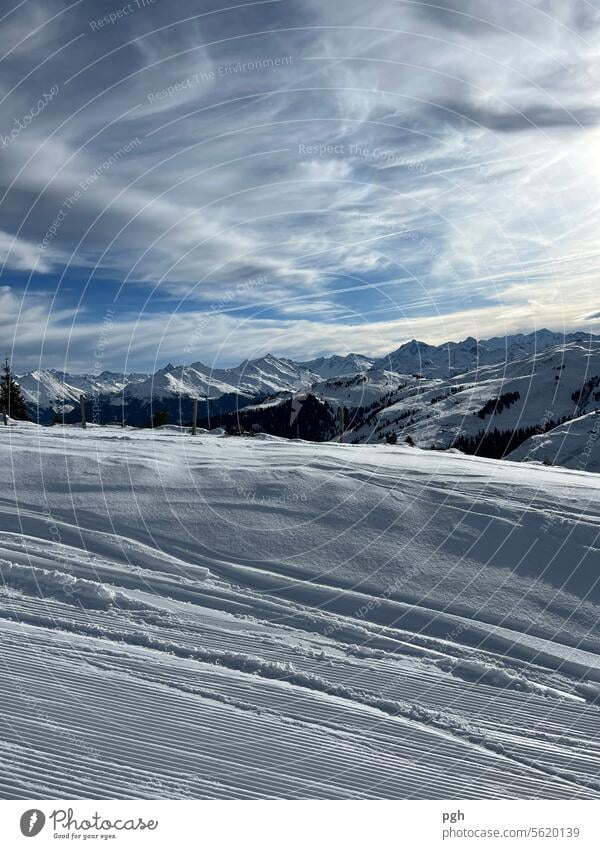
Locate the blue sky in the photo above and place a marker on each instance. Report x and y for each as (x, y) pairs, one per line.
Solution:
(195, 181)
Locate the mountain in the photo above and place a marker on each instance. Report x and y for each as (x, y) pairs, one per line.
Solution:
(373, 386)
(453, 358)
(57, 390)
(532, 392)
(195, 381)
(335, 366)
(420, 358)
(51, 391)
(488, 410)
(47, 388)
(437, 394)
(252, 378)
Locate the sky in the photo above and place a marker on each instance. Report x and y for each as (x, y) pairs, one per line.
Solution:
(196, 181)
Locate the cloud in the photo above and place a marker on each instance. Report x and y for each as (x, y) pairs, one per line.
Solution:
(451, 155)
(21, 255)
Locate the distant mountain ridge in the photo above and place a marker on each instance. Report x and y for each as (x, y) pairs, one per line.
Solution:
(51, 388)
(50, 391)
(458, 357)
(251, 379)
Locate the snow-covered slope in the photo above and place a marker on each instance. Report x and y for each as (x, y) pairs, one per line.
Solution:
(526, 393)
(358, 390)
(254, 618)
(574, 444)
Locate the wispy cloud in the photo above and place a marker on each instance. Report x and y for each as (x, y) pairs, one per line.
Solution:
(431, 163)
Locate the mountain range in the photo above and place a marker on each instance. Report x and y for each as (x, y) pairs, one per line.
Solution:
(482, 396)
(54, 389)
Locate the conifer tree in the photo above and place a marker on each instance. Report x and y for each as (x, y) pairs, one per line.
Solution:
(12, 402)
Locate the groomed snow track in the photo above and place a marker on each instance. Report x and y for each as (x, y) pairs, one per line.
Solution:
(244, 618)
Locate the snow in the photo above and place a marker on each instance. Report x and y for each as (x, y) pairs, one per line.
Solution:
(54, 584)
(265, 376)
(360, 390)
(56, 390)
(10, 422)
(541, 387)
(51, 388)
(574, 445)
(199, 617)
(337, 366)
(435, 411)
(251, 378)
(451, 358)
